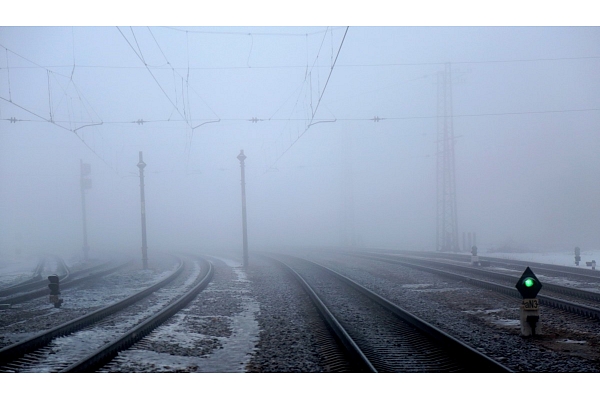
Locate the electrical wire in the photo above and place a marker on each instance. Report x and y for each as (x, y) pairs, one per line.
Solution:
(316, 108)
(244, 33)
(314, 121)
(62, 127)
(331, 71)
(8, 73)
(407, 64)
(151, 74)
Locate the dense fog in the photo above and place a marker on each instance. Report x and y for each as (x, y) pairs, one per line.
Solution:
(339, 126)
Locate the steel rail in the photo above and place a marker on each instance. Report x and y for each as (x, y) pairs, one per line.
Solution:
(569, 291)
(455, 347)
(105, 354)
(64, 285)
(36, 281)
(579, 309)
(352, 349)
(17, 350)
(29, 284)
(577, 272)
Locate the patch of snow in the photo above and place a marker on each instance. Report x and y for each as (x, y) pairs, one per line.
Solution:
(569, 341)
(234, 352)
(566, 258)
(416, 285)
(237, 349)
(507, 322)
(496, 310)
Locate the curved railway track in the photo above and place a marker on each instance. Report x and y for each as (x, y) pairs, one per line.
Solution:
(588, 311)
(44, 352)
(380, 336)
(516, 265)
(40, 288)
(37, 281)
(592, 297)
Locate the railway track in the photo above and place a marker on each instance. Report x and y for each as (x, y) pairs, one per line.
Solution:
(380, 336)
(516, 265)
(592, 298)
(101, 332)
(440, 268)
(38, 289)
(37, 281)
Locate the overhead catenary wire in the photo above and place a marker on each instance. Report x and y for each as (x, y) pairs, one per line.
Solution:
(73, 41)
(314, 120)
(151, 74)
(62, 127)
(184, 93)
(50, 104)
(379, 65)
(317, 107)
(307, 78)
(205, 32)
(8, 74)
(200, 122)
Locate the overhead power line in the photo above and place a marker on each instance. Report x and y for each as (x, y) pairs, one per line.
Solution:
(140, 56)
(60, 126)
(314, 120)
(205, 32)
(376, 65)
(316, 108)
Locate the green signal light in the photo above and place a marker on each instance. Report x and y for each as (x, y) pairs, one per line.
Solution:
(529, 282)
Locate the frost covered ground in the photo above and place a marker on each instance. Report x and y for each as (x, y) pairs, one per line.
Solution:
(565, 258)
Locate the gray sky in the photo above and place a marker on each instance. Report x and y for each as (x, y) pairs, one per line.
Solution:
(526, 104)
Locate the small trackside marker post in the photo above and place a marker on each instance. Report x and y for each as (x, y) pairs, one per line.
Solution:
(474, 257)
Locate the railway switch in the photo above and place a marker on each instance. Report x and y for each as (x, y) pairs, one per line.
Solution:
(528, 286)
(54, 290)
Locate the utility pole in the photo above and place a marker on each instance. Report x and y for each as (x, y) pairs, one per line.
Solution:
(242, 157)
(85, 183)
(447, 226)
(141, 166)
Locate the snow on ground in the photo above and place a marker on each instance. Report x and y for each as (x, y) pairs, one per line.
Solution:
(565, 258)
(236, 349)
(232, 355)
(14, 271)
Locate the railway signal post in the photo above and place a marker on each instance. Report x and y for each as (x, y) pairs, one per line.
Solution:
(54, 291)
(528, 286)
(242, 157)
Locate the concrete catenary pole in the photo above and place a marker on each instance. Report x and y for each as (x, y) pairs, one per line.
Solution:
(242, 157)
(141, 166)
(85, 183)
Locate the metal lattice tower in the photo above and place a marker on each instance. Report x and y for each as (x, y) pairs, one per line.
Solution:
(348, 234)
(447, 225)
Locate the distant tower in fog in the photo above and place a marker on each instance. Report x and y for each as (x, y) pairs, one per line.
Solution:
(447, 225)
(348, 234)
